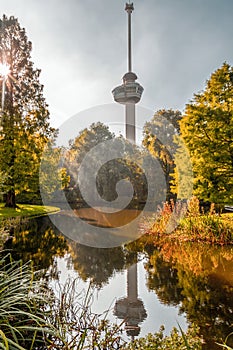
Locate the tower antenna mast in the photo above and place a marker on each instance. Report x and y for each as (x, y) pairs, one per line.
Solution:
(129, 9)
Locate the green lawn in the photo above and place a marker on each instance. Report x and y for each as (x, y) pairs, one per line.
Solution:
(26, 210)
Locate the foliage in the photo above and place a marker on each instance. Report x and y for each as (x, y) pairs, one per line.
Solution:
(207, 128)
(82, 144)
(210, 227)
(6, 227)
(224, 345)
(4, 234)
(25, 119)
(53, 175)
(182, 176)
(159, 139)
(167, 218)
(32, 317)
(171, 222)
(174, 341)
(89, 138)
(111, 172)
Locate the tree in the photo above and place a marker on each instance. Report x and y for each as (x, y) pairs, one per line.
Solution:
(53, 176)
(82, 144)
(97, 264)
(25, 118)
(109, 172)
(159, 139)
(207, 128)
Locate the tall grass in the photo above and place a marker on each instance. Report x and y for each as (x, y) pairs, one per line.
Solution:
(77, 326)
(210, 227)
(196, 225)
(224, 345)
(32, 317)
(6, 226)
(23, 304)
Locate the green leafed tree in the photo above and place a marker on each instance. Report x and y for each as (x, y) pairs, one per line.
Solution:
(53, 176)
(25, 125)
(159, 139)
(207, 128)
(109, 172)
(81, 145)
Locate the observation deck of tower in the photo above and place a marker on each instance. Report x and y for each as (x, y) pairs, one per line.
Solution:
(130, 92)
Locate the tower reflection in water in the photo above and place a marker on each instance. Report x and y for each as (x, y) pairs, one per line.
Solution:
(131, 308)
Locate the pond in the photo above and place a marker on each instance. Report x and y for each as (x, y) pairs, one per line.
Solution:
(144, 284)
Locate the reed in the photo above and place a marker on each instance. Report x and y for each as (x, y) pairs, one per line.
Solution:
(210, 227)
(33, 317)
(23, 306)
(224, 345)
(77, 326)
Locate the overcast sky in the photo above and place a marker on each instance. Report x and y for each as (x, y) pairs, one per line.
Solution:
(81, 47)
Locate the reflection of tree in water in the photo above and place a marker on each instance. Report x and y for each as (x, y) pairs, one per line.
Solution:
(190, 277)
(38, 241)
(99, 264)
(162, 275)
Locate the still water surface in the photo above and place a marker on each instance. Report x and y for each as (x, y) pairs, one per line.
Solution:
(146, 285)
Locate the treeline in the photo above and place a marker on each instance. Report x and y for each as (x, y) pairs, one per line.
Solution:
(201, 136)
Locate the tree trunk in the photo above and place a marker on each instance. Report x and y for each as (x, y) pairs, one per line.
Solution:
(9, 199)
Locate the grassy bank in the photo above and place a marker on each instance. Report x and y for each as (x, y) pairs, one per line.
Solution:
(26, 210)
(210, 228)
(195, 225)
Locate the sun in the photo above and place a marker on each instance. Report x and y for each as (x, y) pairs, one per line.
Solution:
(4, 69)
